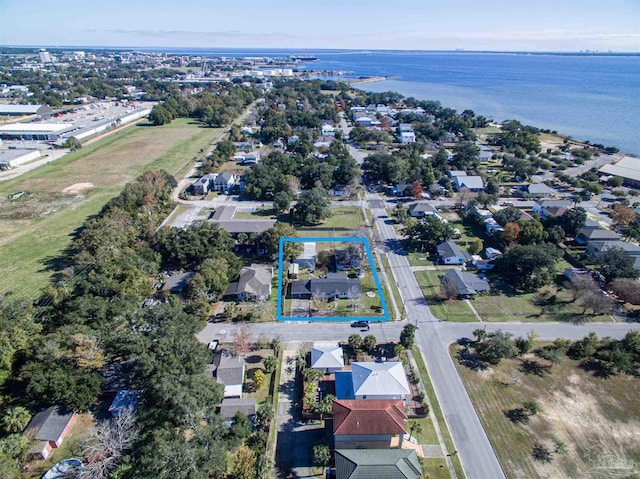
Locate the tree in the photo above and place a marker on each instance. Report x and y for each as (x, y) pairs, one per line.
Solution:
(244, 463)
(573, 221)
(507, 215)
(476, 247)
(72, 143)
(541, 453)
(428, 232)
(414, 426)
(598, 303)
(581, 285)
(529, 267)
(355, 341)
(270, 364)
(627, 289)
(325, 405)
(370, 342)
(449, 288)
(281, 201)
(259, 379)
(313, 207)
(264, 416)
(531, 232)
(622, 215)
(480, 334)
(242, 340)
(321, 455)
(107, 445)
(510, 233)
(497, 346)
(16, 419)
(616, 263)
(407, 336)
(486, 199)
(416, 189)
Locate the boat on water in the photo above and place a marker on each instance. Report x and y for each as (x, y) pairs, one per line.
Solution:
(63, 469)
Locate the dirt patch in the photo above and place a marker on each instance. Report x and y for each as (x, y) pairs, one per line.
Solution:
(78, 188)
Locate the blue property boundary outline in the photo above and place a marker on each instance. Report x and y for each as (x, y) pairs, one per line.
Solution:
(383, 303)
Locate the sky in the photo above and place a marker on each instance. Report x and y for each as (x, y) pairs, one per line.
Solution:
(499, 25)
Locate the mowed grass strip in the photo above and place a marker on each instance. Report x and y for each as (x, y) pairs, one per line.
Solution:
(436, 414)
(106, 165)
(598, 419)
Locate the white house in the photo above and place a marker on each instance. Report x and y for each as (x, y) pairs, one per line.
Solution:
(545, 208)
(384, 380)
(224, 181)
(229, 371)
(449, 253)
(406, 137)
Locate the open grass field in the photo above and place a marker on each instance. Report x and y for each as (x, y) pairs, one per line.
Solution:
(598, 419)
(344, 220)
(64, 193)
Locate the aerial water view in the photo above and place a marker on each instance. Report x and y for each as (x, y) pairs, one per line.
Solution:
(342, 240)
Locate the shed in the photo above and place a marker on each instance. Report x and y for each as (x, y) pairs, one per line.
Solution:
(49, 428)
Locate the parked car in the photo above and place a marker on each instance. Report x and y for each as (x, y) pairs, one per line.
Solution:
(360, 324)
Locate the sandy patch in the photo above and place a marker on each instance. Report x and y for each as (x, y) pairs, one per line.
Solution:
(77, 188)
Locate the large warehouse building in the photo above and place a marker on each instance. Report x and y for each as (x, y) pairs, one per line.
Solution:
(24, 110)
(627, 168)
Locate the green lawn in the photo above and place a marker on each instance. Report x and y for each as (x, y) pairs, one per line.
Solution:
(344, 220)
(435, 468)
(436, 414)
(419, 259)
(428, 434)
(28, 253)
(598, 419)
(506, 304)
(454, 310)
(393, 286)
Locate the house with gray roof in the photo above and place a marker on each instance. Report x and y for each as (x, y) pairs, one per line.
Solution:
(335, 285)
(627, 168)
(467, 284)
(327, 358)
(450, 253)
(254, 283)
(421, 209)
(177, 282)
(230, 406)
(48, 429)
(203, 185)
(378, 463)
(598, 248)
(224, 181)
(472, 183)
(538, 190)
(546, 208)
(587, 235)
(228, 370)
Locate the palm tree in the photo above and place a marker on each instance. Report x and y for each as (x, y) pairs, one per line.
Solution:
(414, 426)
(16, 419)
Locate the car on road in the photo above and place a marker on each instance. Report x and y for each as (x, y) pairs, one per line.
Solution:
(360, 324)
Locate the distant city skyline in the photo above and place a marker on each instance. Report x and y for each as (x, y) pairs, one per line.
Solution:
(497, 25)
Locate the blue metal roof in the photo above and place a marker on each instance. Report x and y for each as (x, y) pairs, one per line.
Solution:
(344, 385)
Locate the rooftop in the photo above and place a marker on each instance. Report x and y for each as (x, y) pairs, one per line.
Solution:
(323, 357)
(369, 416)
(378, 463)
(386, 378)
(627, 167)
(48, 425)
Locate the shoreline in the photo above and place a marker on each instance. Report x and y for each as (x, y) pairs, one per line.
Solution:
(364, 81)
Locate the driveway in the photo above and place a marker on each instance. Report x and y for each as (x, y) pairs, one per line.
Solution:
(294, 449)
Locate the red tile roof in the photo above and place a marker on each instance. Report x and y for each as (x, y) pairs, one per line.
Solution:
(369, 416)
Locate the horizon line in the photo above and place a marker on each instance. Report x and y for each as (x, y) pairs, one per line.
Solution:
(320, 49)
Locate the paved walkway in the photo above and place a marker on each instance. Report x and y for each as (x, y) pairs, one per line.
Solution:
(295, 439)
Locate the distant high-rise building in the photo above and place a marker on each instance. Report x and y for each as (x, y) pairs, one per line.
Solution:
(45, 56)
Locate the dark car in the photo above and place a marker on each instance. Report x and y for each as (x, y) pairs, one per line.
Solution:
(360, 324)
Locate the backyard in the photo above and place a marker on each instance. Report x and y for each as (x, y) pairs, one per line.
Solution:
(595, 419)
(39, 226)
